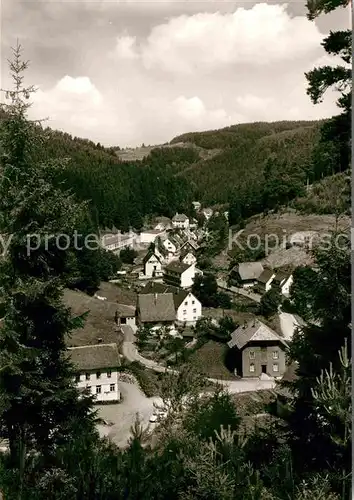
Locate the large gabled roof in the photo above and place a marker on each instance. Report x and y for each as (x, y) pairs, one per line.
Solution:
(95, 357)
(253, 332)
(249, 270)
(177, 267)
(156, 307)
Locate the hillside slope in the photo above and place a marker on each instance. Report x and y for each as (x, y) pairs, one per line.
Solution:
(239, 167)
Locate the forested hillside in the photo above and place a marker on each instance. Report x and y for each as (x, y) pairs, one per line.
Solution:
(253, 167)
(238, 172)
(120, 193)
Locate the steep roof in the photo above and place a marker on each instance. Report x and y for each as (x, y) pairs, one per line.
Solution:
(281, 276)
(190, 243)
(266, 275)
(249, 270)
(155, 307)
(185, 252)
(254, 332)
(153, 287)
(148, 256)
(177, 267)
(95, 357)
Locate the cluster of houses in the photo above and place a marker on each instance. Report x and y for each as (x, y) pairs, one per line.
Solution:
(261, 279)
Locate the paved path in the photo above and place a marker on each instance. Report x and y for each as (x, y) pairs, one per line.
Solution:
(288, 324)
(130, 352)
(123, 414)
(240, 291)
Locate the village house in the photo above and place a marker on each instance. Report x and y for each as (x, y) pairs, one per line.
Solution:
(190, 245)
(258, 350)
(125, 315)
(150, 235)
(246, 274)
(180, 221)
(188, 257)
(152, 265)
(179, 274)
(197, 205)
(172, 244)
(188, 309)
(96, 369)
(264, 282)
(282, 282)
(118, 241)
(155, 310)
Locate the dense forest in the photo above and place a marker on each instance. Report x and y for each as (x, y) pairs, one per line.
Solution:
(203, 450)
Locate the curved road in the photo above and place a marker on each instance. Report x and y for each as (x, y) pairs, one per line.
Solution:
(130, 352)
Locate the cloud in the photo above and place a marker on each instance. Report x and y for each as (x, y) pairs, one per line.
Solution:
(262, 35)
(194, 72)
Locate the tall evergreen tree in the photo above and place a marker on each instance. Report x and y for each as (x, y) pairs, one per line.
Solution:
(39, 400)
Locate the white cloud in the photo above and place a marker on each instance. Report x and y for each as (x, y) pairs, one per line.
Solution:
(262, 35)
(190, 73)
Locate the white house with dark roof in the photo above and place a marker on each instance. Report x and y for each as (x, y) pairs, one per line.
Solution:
(188, 257)
(116, 241)
(258, 350)
(155, 309)
(188, 309)
(180, 221)
(97, 370)
(282, 282)
(264, 282)
(179, 274)
(152, 264)
(246, 274)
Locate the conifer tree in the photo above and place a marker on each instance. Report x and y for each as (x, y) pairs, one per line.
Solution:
(39, 400)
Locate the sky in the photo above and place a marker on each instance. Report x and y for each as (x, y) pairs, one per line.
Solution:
(124, 72)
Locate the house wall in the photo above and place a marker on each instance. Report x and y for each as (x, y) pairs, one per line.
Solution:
(285, 288)
(104, 382)
(181, 225)
(130, 321)
(187, 277)
(148, 237)
(153, 265)
(170, 247)
(189, 259)
(263, 357)
(189, 311)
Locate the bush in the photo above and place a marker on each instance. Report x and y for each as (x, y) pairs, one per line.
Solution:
(146, 379)
(269, 304)
(127, 255)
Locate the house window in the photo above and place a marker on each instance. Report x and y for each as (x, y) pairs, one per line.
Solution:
(252, 367)
(275, 355)
(194, 310)
(186, 303)
(98, 389)
(275, 367)
(88, 387)
(98, 374)
(77, 378)
(184, 311)
(193, 302)
(194, 317)
(109, 373)
(87, 376)
(112, 387)
(252, 354)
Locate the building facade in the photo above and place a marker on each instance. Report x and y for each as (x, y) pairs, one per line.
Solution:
(258, 350)
(97, 370)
